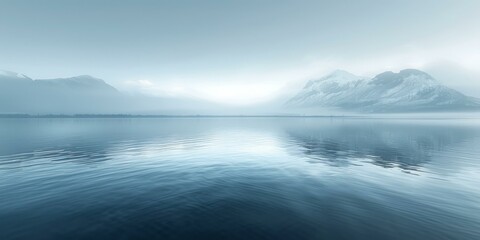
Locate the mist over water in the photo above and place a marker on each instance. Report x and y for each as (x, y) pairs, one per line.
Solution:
(239, 178)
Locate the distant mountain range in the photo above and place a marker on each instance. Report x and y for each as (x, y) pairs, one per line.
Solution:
(409, 90)
(84, 94)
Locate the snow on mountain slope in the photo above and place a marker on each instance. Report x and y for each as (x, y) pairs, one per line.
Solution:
(334, 89)
(408, 90)
(9, 74)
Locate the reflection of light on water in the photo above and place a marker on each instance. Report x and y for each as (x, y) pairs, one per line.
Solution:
(268, 174)
(207, 147)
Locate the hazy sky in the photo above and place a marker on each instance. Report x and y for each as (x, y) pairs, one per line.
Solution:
(238, 51)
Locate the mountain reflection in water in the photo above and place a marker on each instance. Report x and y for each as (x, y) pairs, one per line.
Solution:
(388, 144)
(239, 178)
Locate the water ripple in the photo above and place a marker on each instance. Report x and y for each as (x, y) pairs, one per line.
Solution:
(237, 179)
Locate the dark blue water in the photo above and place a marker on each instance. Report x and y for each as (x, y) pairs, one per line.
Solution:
(239, 178)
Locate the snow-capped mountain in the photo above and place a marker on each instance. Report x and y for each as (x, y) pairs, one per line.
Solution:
(406, 91)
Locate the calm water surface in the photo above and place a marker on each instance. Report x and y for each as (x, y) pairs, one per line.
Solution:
(239, 178)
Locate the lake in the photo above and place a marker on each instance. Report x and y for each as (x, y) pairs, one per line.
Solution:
(239, 178)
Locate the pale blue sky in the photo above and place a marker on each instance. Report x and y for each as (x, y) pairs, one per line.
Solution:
(233, 47)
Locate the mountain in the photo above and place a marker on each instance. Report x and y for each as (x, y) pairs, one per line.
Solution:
(409, 90)
(85, 94)
(82, 94)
